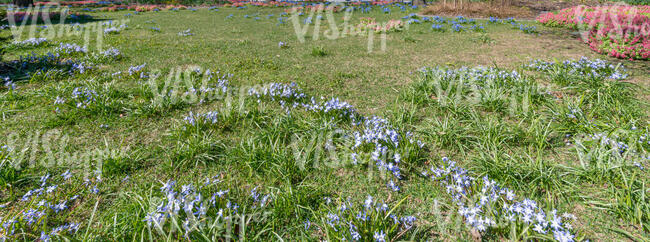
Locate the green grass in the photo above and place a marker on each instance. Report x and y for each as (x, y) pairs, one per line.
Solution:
(135, 130)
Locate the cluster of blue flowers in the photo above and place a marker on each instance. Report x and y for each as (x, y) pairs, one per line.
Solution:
(458, 28)
(583, 67)
(478, 28)
(365, 9)
(115, 29)
(528, 29)
(493, 205)
(630, 145)
(80, 67)
(494, 20)
(410, 16)
(7, 82)
(307, 20)
(204, 118)
(34, 59)
(51, 199)
(461, 20)
(376, 132)
(31, 42)
(284, 93)
(83, 96)
(374, 217)
(220, 86)
(413, 21)
(438, 27)
(525, 28)
(456, 23)
(439, 19)
(403, 8)
(137, 70)
(70, 49)
(573, 112)
(111, 53)
(281, 21)
(603, 138)
(58, 64)
(195, 209)
(478, 76)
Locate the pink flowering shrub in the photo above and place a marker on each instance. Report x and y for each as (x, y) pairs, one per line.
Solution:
(40, 16)
(618, 31)
(307, 4)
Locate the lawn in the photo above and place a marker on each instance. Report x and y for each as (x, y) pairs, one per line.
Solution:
(170, 150)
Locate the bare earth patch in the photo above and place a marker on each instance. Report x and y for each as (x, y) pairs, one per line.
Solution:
(521, 9)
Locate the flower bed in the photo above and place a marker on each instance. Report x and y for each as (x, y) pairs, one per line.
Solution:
(618, 31)
(143, 7)
(41, 16)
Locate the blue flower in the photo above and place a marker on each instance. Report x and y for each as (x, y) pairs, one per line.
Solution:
(380, 236)
(458, 28)
(437, 27)
(391, 184)
(307, 224)
(494, 20)
(45, 237)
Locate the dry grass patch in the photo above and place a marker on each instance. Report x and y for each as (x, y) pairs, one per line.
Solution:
(478, 9)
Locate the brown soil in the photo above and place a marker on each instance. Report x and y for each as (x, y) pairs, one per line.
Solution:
(551, 5)
(522, 9)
